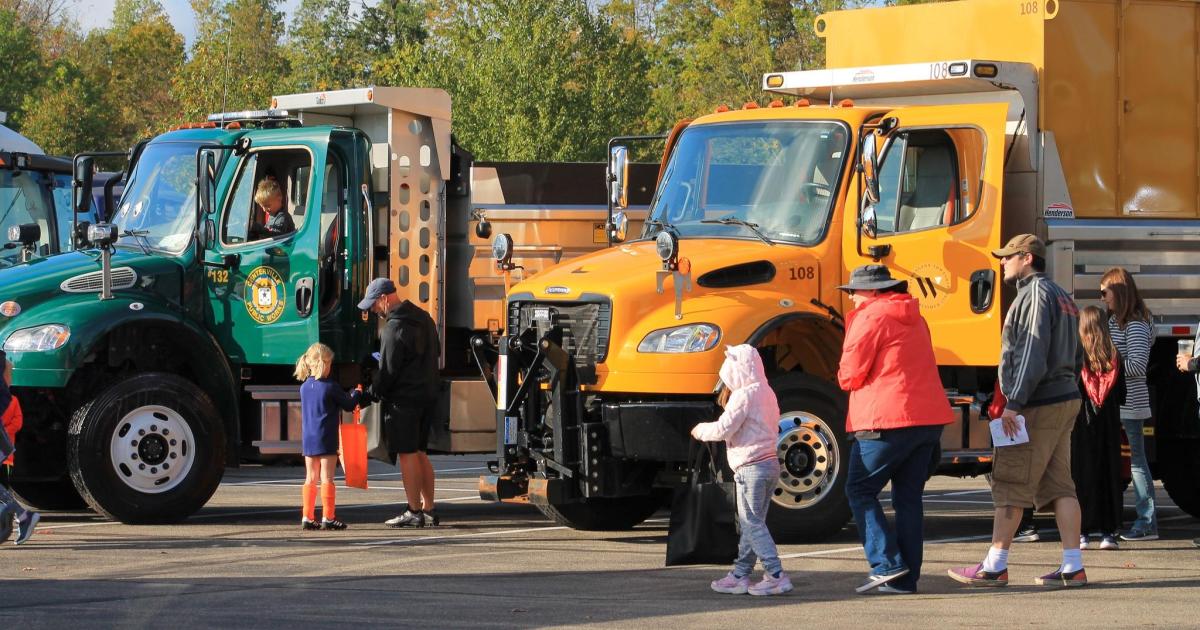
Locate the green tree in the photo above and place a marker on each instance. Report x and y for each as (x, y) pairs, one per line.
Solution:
(135, 59)
(532, 80)
(23, 61)
(236, 60)
(322, 49)
(68, 113)
(390, 25)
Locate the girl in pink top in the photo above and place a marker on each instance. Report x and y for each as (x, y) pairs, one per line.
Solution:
(749, 427)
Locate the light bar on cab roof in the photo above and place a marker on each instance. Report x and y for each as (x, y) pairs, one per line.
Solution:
(248, 115)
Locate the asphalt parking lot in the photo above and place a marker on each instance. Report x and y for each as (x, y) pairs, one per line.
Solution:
(243, 562)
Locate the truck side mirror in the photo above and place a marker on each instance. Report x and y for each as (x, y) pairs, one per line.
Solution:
(205, 182)
(81, 184)
(619, 230)
(869, 166)
(208, 233)
(618, 177)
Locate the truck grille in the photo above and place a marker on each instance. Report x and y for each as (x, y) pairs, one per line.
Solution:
(586, 325)
(122, 278)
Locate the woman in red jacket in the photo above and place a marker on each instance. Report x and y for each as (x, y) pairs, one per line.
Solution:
(897, 411)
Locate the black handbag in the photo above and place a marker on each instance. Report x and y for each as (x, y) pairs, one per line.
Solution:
(703, 528)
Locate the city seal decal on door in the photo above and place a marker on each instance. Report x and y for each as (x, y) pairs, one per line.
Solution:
(264, 295)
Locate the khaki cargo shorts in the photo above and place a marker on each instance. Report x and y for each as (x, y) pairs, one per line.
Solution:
(1036, 473)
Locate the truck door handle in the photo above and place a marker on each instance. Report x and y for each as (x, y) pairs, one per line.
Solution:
(983, 287)
(304, 296)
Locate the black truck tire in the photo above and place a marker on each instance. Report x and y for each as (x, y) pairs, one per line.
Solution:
(1181, 473)
(603, 513)
(809, 502)
(148, 449)
(49, 495)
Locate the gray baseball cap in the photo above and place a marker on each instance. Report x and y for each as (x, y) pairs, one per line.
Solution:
(378, 288)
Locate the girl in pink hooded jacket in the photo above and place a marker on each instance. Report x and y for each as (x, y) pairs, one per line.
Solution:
(749, 428)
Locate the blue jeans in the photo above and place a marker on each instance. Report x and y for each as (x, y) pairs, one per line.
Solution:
(754, 485)
(901, 456)
(1143, 483)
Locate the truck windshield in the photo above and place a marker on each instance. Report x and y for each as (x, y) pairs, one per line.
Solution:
(26, 198)
(781, 177)
(158, 209)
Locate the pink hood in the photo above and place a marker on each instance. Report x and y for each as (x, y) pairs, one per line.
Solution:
(750, 424)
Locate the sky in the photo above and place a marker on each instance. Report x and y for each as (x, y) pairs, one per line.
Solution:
(98, 13)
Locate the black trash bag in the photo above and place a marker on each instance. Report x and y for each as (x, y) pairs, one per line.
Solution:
(704, 526)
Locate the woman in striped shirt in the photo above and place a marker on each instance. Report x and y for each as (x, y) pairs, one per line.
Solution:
(1133, 335)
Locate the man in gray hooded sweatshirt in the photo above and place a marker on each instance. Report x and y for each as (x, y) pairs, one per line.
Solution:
(1039, 358)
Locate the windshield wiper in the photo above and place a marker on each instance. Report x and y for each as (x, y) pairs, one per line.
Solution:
(661, 225)
(753, 227)
(142, 241)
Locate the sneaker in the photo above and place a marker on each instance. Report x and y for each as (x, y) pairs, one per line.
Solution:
(1109, 541)
(432, 519)
(772, 585)
(6, 523)
(976, 576)
(332, 525)
(1083, 542)
(875, 581)
(1136, 534)
(892, 589)
(1196, 542)
(408, 519)
(308, 525)
(1027, 534)
(1058, 578)
(25, 526)
(731, 584)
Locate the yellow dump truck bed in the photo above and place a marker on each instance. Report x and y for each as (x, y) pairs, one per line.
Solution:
(1118, 84)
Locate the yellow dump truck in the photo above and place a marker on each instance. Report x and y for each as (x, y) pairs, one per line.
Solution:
(937, 132)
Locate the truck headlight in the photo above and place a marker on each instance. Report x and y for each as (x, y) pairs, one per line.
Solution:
(690, 338)
(39, 339)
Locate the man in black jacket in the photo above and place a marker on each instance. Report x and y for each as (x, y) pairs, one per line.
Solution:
(407, 384)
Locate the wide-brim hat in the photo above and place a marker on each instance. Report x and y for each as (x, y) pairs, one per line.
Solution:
(871, 278)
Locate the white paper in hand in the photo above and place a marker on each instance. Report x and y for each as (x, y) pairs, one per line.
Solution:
(1000, 439)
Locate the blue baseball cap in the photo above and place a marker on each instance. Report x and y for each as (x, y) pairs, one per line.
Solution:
(378, 288)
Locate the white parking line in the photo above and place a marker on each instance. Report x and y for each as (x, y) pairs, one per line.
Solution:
(827, 552)
(425, 539)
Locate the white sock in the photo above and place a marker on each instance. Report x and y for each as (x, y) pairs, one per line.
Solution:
(1072, 560)
(997, 560)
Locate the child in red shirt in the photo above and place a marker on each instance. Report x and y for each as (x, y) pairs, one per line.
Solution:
(26, 520)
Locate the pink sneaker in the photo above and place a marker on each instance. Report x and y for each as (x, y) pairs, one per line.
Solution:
(731, 584)
(772, 585)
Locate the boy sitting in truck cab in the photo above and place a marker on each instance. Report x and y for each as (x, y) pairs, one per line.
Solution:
(276, 221)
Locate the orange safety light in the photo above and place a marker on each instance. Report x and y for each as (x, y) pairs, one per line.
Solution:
(846, 102)
(234, 125)
(803, 103)
(370, 94)
(775, 80)
(750, 105)
(721, 109)
(775, 103)
(275, 102)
